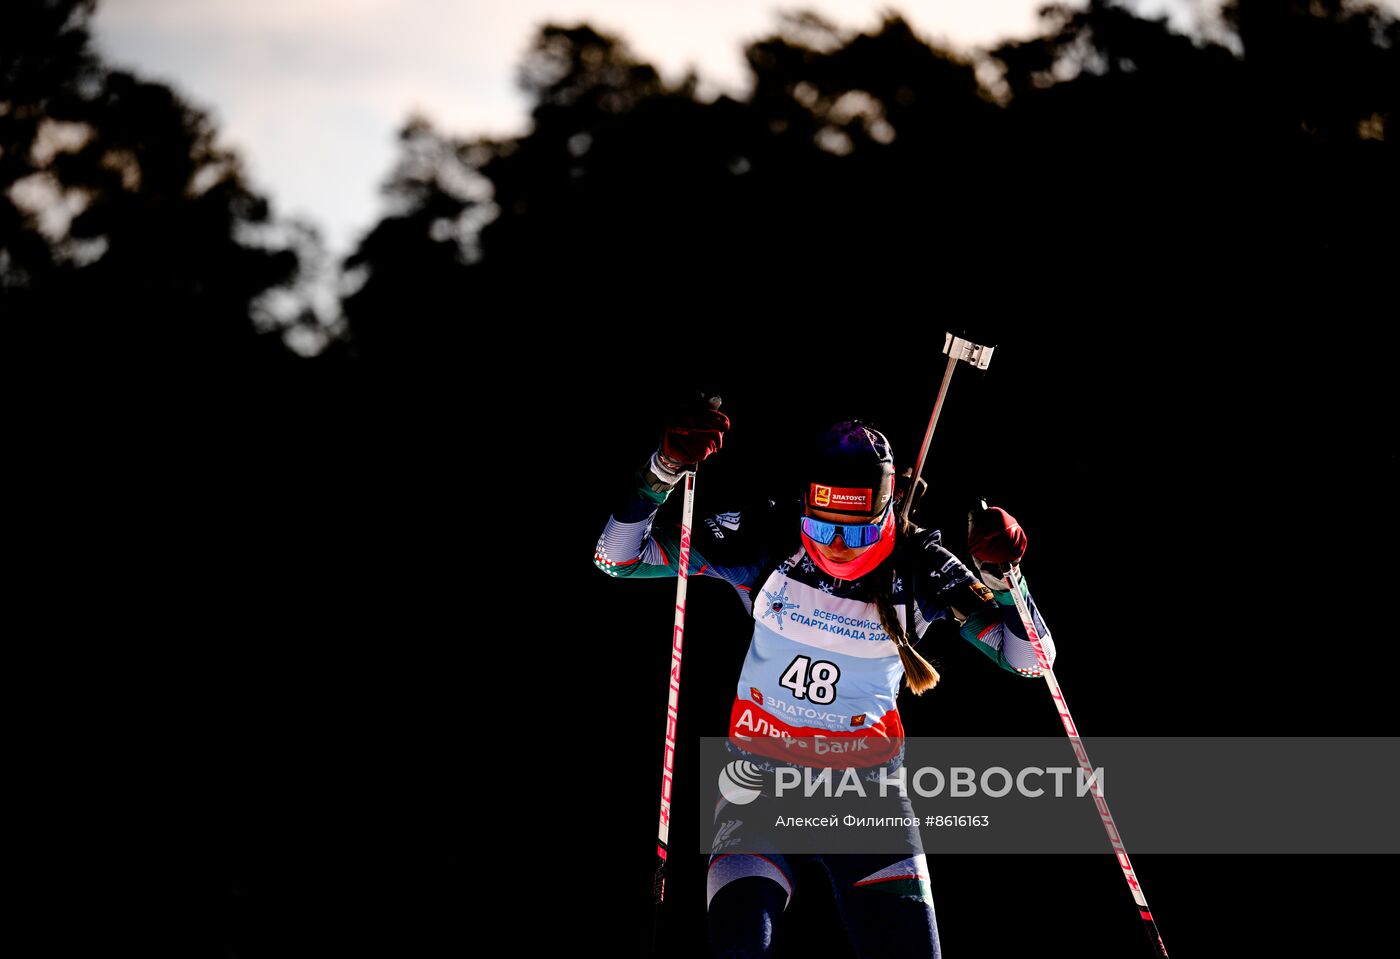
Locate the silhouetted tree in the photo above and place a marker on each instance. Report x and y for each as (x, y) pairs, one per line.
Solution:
(873, 167)
(607, 199)
(627, 194)
(44, 63)
(119, 212)
(1165, 148)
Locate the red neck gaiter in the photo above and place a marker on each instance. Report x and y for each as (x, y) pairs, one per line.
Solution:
(862, 564)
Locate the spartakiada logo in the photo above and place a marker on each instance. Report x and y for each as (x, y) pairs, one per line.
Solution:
(821, 495)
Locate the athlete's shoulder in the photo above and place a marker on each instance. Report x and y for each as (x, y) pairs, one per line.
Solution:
(921, 538)
(934, 565)
(737, 535)
(728, 523)
(924, 546)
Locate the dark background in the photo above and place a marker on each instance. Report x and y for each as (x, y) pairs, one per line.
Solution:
(447, 695)
(1199, 521)
(319, 662)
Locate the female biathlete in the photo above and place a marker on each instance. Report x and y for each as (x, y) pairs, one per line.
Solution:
(831, 644)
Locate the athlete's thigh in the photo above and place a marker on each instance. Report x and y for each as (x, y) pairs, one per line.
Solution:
(885, 903)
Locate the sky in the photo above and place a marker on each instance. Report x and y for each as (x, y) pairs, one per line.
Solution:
(311, 93)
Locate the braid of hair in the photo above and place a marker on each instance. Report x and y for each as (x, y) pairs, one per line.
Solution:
(919, 674)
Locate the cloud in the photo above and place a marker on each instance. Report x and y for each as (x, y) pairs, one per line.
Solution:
(232, 14)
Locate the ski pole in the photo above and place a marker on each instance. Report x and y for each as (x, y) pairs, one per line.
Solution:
(1018, 593)
(957, 349)
(668, 757)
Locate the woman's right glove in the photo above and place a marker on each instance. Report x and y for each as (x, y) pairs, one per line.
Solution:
(692, 433)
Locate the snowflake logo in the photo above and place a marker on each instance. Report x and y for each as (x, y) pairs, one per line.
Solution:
(778, 604)
(807, 565)
(825, 586)
(898, 584)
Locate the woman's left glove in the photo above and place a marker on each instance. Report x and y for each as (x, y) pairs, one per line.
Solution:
(996, 541)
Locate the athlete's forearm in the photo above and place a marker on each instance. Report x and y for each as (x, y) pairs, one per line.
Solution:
(627, 547)
(996, 629)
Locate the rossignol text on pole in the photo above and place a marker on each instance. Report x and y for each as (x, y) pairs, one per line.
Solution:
(668, 757)
(962, 349)
(1018, 591)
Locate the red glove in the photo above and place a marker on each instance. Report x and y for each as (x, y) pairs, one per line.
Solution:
(994, 537)
(691, 436)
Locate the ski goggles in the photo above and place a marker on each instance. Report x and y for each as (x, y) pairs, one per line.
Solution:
(854, 535)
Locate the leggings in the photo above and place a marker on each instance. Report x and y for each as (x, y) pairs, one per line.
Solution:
(883, 900)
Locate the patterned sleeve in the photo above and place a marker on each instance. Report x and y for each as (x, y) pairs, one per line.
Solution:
(993, 625)
(627, 547)
(631, 546)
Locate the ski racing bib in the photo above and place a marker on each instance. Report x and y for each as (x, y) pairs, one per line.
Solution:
(819, 683)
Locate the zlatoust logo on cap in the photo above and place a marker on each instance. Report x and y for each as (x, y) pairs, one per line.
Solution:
(841, 497)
